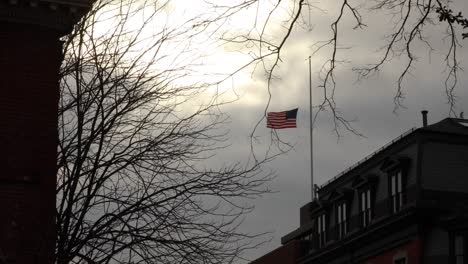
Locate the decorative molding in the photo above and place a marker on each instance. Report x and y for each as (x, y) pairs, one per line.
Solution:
(393, 163)
(366, 180)
(76, 3)
(57, 15)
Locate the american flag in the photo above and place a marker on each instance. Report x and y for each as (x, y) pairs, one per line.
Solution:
(285, 119)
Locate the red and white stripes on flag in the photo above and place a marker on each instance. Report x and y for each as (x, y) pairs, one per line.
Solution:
(279, 120)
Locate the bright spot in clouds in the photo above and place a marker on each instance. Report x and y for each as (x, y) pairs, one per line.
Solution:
(207, 60)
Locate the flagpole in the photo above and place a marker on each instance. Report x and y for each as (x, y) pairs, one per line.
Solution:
(311, 133)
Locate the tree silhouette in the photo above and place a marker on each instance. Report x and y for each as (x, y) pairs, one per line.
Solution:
(136, 123)
(134, 133)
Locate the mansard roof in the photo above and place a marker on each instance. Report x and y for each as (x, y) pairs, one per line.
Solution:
(446, 126)
(449, 125)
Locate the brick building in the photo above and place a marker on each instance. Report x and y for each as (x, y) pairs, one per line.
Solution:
(405, 203)
(30, 57)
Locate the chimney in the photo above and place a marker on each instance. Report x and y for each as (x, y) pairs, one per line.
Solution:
(461, 115)
(424, 116)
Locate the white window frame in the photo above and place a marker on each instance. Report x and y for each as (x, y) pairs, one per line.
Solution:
(342, 219)
(459, 249)
(396, 191)
(322, 229)
(365, 207)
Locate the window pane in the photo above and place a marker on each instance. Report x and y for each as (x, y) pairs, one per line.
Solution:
(319, 226)
(399, 181)
(459, 260)
(323, 223)
(363, 201)
(344, 212)
(400, 200)
(400, 261)
(368, 199)
(324, 226)
(459, 245)
(393, 185)
(339, 214)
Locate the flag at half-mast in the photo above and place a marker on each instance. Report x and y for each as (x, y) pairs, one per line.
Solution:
(284, 119)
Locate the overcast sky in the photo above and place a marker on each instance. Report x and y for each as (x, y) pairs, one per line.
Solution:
(370, 102)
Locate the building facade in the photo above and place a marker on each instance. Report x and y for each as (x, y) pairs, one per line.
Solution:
(30, 57)
(407, 203)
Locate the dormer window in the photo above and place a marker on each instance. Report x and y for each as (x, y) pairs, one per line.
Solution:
(365, 213)
(342, 219)
(396, 167)
(396, 191)
(459, 247)
(322, 229)
(366, 185)
(400, 261)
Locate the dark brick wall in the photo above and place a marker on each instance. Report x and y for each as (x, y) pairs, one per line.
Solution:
(286, 254)
(411, 251)
(29, 62)
(436, 244)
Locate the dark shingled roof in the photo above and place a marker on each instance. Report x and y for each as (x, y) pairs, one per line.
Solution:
(449, 125)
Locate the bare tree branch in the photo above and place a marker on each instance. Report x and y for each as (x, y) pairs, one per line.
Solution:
(409, 22)
(134, 135)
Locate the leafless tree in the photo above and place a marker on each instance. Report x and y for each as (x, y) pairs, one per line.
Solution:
(136, 132)
(411, 25)
(137, 127)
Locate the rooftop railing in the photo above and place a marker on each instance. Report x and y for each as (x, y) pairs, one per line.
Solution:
(368, 157)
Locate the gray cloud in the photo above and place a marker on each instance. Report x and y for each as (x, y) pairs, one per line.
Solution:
(369, 101)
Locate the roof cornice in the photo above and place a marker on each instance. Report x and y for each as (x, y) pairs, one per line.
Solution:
(58, 15)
